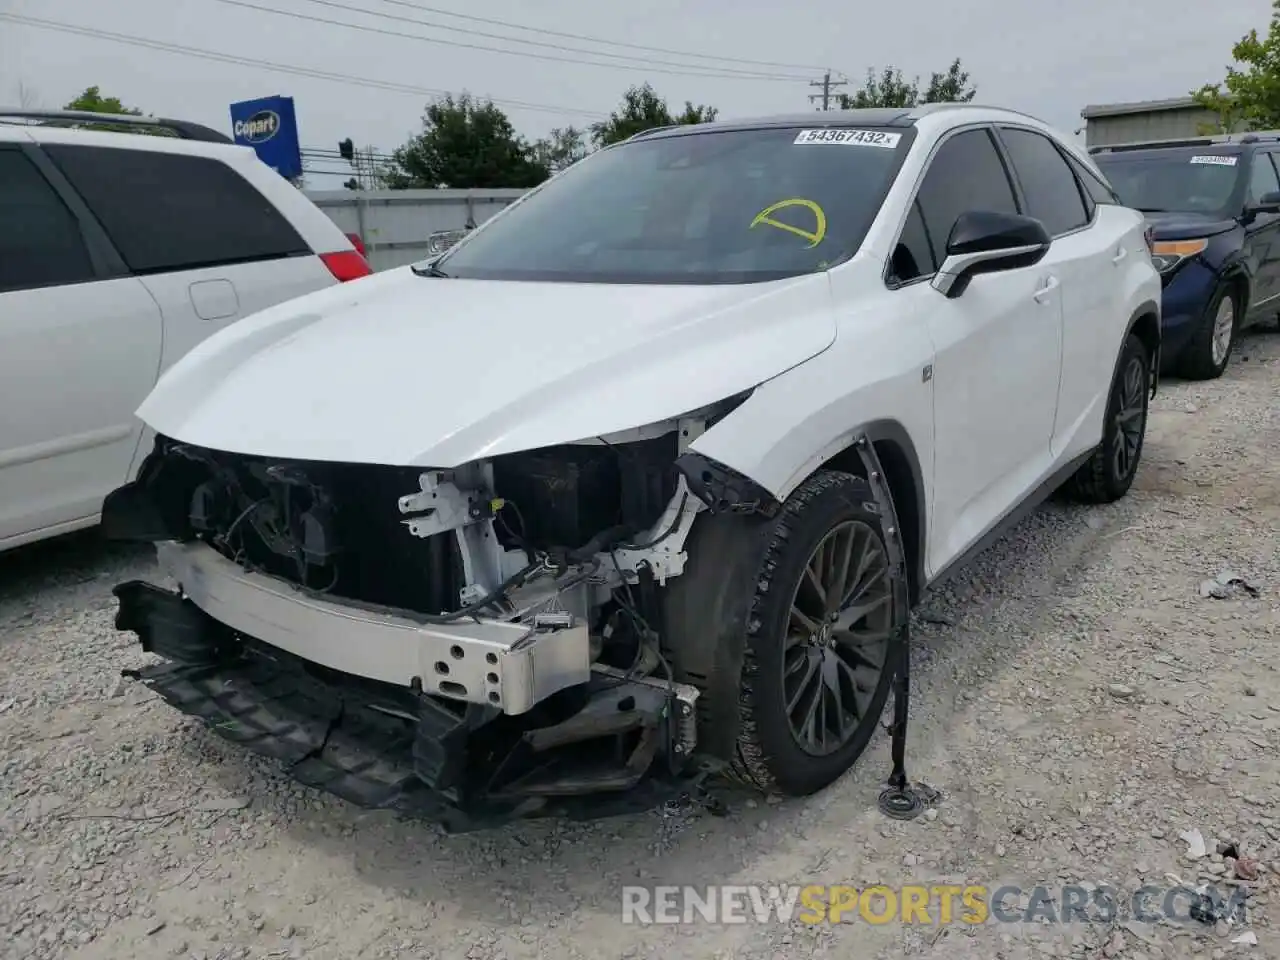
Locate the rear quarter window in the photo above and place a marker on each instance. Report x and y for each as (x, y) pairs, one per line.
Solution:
(1048, 183)
(1099, 191)
(166, 211)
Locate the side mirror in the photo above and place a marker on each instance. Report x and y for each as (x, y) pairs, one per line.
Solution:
(1270, 203)
(986, 242)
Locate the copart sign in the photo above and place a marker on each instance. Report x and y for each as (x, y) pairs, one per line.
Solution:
(259, 128)
(270, 126)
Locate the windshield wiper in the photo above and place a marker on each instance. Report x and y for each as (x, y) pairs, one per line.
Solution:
(429, 270)
(1151, 209)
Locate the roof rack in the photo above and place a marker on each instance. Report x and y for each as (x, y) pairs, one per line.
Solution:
(1219, 140)
(181, 129)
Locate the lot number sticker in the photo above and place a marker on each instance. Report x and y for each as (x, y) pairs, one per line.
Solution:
(1216, 161)
(855, 138)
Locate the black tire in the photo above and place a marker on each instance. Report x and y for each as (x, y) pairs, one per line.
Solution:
(1107, 475)
(728, 621)
(1198, 360)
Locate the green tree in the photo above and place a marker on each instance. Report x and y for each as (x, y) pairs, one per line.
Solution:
(953, 86)
(92, 101)
(642, 109)
(562, 148)
(890, 88)
(1251, 98)
(464, 143)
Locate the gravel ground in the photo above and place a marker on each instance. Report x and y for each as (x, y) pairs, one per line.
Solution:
(1080, 705)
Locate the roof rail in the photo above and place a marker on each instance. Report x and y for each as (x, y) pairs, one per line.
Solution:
(181, 129)
(1259, 136)
(924, 109)
(645, 133)
(1221, 140)
(1151, 144)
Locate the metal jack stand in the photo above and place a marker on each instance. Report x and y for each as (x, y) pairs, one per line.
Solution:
(900, 799)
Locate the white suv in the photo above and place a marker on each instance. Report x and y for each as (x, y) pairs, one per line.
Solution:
(119, 253)
(641, 479)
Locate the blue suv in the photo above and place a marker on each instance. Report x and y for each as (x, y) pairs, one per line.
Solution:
(1213, 208)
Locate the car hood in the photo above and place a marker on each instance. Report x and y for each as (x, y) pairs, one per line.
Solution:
(419, 371)
(1186, 226)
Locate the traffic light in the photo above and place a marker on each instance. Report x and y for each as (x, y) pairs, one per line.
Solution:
(346, 149)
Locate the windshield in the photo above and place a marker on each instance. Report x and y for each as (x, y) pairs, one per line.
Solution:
(716, 207)
(1185, 181)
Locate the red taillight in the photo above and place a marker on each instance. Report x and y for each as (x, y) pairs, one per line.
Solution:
(358, 244)
(346, 265)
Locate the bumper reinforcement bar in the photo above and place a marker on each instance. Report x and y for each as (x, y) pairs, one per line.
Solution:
(491, 662)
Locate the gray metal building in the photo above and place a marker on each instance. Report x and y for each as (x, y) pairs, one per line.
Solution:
(1108, 123)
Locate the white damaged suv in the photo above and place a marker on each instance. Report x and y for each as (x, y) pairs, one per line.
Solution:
(642, 478)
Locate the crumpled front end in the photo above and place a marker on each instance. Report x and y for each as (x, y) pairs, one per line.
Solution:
(380, 746)
(470, 646)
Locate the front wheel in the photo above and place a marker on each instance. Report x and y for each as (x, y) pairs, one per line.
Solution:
(1107, 475)
(1206, 356)
(822, 640)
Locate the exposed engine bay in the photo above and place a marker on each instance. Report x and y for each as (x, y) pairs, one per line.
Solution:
(472, 644)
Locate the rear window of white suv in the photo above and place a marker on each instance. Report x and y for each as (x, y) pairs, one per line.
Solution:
(169, 211)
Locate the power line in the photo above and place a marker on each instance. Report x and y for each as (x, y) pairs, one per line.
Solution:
(323, 163)
(589, 39)
(702, 69)
(364, 28)
(273, 67)
(319, 153)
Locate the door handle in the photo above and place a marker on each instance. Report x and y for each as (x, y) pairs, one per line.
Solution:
(1120, 255)
(1042, 295)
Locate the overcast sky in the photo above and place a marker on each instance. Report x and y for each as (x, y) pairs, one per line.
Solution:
(1043, 57)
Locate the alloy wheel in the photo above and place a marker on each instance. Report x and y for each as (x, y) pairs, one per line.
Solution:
(1224, 324)
(837, 644)
(1130, 420)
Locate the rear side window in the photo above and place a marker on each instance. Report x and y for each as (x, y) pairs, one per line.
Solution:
(966, 174)
(1052, 194)
(166, 211)
(40, 240)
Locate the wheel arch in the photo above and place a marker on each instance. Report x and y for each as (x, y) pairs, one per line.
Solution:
(1144, 322)
(1237, 277)
(727, 491)
(897, 455)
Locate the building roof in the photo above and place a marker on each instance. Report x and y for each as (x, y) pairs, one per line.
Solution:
(1093, 111)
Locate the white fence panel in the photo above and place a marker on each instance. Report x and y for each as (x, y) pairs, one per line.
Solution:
(397, 225)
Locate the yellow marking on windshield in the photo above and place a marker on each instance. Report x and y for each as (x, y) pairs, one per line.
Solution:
(765, 216)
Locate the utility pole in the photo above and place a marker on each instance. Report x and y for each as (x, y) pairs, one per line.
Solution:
(826, 83)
